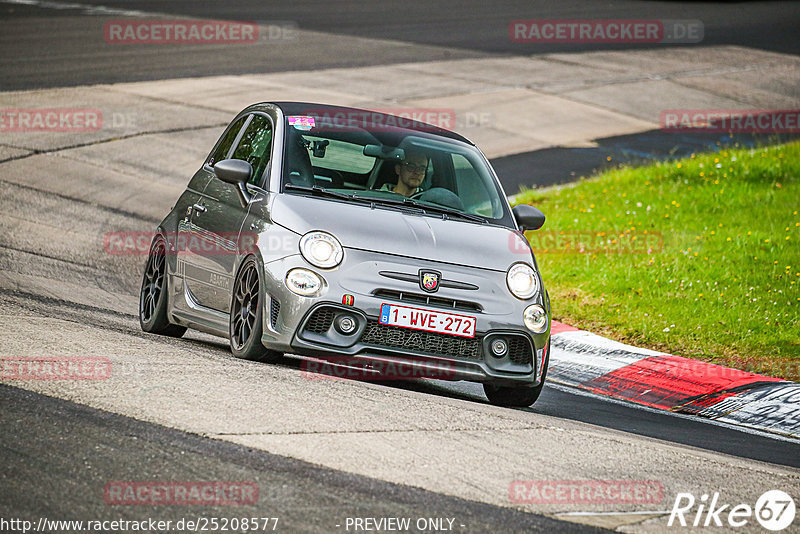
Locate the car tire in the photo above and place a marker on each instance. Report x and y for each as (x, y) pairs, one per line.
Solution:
(516, 396)
(245, 325)
(153, 294)
(512, 396)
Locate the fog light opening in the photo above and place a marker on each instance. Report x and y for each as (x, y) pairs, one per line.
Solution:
(346, 324)
(499, 348)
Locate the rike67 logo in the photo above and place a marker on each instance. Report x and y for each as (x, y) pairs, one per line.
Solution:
(774, 510)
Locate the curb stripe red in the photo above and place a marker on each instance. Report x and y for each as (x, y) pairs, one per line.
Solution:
(667, 382)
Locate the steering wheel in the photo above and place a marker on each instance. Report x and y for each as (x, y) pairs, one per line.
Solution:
(441, 196)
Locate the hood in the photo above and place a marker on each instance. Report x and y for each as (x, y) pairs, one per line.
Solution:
(402, 233)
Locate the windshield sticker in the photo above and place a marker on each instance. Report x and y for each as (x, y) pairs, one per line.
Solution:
(302, 123)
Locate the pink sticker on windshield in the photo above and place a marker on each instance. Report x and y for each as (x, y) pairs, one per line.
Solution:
(302, 123)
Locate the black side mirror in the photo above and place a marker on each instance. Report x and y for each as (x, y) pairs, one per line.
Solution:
(236, 172)
(528, 217)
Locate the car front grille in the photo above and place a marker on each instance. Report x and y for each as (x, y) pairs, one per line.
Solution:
(428, 300)
(376, 335)
(380, 335)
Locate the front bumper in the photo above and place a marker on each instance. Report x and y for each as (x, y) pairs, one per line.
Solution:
(305, 325)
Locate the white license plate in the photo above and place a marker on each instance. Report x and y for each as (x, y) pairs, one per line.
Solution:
(428, 320)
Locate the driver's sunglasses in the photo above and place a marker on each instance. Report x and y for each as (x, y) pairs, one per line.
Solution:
(414, 168)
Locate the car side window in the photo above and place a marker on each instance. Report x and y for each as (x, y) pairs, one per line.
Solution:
(255, 145)
(225, 143)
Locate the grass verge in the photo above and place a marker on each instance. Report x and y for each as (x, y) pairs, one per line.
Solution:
(698, 257)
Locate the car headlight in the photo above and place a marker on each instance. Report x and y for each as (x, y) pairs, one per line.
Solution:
(535, 318)
(321, 249)
(522, 281)
(303, 282)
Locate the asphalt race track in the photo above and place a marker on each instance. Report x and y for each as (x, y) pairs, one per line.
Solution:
(305, 497)
(437, 30)
(319, 450)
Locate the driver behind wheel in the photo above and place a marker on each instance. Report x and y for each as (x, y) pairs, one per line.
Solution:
(410, 174)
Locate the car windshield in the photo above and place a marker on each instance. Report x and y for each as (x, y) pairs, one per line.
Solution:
(391, 166)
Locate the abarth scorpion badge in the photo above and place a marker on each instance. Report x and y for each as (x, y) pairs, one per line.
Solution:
(429, 280)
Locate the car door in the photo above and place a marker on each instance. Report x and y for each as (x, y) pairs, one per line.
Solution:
(217, 220)
(188, 238)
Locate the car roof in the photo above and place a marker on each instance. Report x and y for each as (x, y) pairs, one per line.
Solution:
(300, 108)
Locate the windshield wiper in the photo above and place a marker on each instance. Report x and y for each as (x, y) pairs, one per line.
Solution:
(403, 203)
(391, 200)
(400, 202)
(444, 210)
(319, 191)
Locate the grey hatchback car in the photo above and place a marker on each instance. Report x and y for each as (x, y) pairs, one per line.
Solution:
(347, 235)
